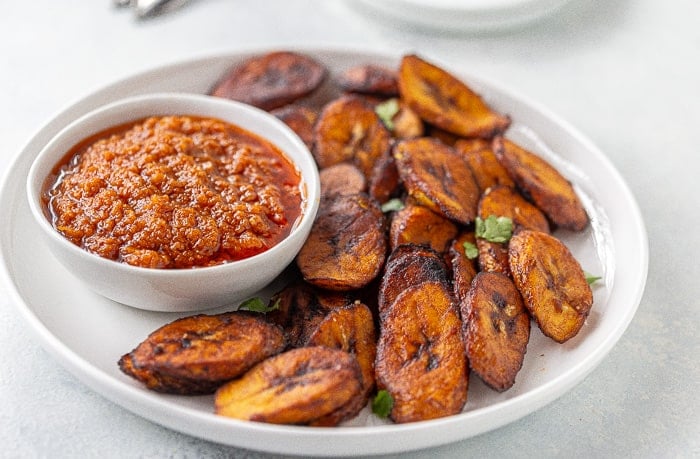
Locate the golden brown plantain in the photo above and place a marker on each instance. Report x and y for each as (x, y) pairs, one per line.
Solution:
(342, 178)
(196, 354)
(416, 224)
(351, 329)
(488, 172)
(420, 354)
(504, 201)
(348, 130)
(369, 79)
(443, 100)
(463, 268)
(543, 184)
(272, 80)
(294, 387)
(437, 177)
(300, 119)
(496, 329)
(409, 265)
(551, 282)
(406, 123)
(347, 244)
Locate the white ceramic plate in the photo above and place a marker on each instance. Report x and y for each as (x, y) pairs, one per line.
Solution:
(464, 15)
(88, 333)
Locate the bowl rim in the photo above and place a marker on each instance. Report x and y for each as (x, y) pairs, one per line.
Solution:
(194, 105)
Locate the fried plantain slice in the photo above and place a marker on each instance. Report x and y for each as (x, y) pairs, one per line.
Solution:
(504, 201)
(342, 178)
(300, 119)
(488, 172)
(415, 224)
(351, 329)
(496, 329)
(348, 130)
(347, 244)
(443, 100)
(437, 177)
(271, 80)
(294, 387)
(420, 354)
(369, 79)
(406, 124)
(551, 282)
(384, 181)
(541, 182)
(463, 267)
(408, 265)
(198, 353)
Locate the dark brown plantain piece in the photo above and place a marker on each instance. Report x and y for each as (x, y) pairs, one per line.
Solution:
(437, 177)
(369, 79)
(342, 178)
(443, 100)
(463, 268)
(488, 172)
(351, 329)
(551, 282)
(420, 354)
(272, 80)
(409, 265)
(496, 329)
(384, 182)
(294, 387)
(301, 308)
(415, 224)
(347, 244)
(504, 201)
(300, 119)
(196, 354)
(543, 184)
(348, 130)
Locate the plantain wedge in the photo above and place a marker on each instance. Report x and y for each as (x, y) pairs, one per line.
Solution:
(415, 224)
(488, 172)
(420, 354)
(463, 266)
(441, 99)
(196, 354)
(547, 188)
(551, 282)
(496, 329)
(294, 387)
(438, 178)
(271, 80)
(348, 130)
(346, 247)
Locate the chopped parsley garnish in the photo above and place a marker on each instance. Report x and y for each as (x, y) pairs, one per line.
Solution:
(470, 250)
(494, 229)
(386, 112)
(256, 304)
(591, 279)
(392, 205)
(382, 404)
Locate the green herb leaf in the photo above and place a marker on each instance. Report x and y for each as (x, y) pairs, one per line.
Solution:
(256, 304)
(470, 250)
(591, 279)
(494, 229)
(392, 205)
(386, 112)
(382, 404)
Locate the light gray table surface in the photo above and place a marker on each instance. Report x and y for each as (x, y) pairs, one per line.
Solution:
(626, 73)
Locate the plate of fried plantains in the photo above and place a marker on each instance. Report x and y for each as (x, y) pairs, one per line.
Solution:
(474, 257)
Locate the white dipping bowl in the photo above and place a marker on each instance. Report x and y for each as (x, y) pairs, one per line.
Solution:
(176, 290)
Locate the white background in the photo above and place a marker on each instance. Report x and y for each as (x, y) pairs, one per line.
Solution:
(626, 73)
